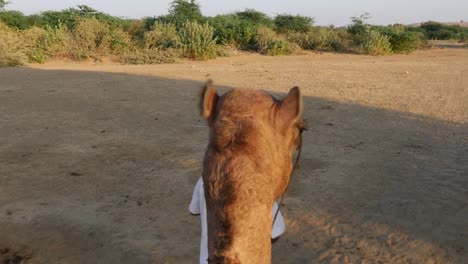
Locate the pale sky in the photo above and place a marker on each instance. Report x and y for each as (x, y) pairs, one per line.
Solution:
(327, 12)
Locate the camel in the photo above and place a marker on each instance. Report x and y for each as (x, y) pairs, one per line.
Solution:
(247, 166)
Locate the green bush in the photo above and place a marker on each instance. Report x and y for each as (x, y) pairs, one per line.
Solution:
(232, 31)
(14, 19)
(401, 39)
(324, 39)
(434, 30)
(286, 22)
(255, 17)
(72, 16)
(358, 29)
(162, 36)
(35, 20)
(12, 49)
(239, 29)
(376, 43)
(268, 42)
(55, 18)
(196, 41)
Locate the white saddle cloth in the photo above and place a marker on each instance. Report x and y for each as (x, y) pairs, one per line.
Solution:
(198, 206)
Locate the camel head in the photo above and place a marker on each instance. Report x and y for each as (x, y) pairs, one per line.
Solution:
(247, 165)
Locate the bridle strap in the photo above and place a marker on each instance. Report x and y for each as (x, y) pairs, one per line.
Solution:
(296, 163)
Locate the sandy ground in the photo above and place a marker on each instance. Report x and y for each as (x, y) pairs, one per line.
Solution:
(98, 161)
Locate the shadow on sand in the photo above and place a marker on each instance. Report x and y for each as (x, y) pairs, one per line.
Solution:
(99, 168)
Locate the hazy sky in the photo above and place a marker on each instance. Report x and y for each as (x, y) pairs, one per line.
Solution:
(335, 12)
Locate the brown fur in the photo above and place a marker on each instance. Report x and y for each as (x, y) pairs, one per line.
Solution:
(246, 168)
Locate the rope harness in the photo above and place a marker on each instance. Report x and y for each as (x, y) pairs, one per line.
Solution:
(296, 163)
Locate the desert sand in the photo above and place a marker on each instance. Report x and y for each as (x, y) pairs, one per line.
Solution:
(98, 160)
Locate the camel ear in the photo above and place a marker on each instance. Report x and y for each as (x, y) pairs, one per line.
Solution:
(290, 108)
(208, 100)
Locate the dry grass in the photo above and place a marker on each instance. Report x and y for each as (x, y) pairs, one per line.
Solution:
(12, 49)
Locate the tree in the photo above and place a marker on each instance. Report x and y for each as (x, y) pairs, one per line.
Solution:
(3, 3)
(85, 10)
(182, 10)
(359, 29)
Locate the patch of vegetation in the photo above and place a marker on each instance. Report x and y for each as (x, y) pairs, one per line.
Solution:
(85, 33)
(162, 36)
(434, 30)
(56, 41)
(285, 23)
(232, 30)
(321, 38)
(180, 11)
(90, 39)
(375, 43)
(196, 41)
(383, 40)
(255, 17)
(12, 49)
(402, 40)
(268, 42)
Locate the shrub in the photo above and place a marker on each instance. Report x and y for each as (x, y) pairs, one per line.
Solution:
(320, 38)
(344, 40)
(271, 44)
(162, 35)
(233, 31)
(56, 18)
(12, 50)
(375, 43)
(254, 17)
(401, 39)
(121, 41)
(71, 17)
(32, 43)
(137, 29)
(91, 39)
(149, 56)
(358, 29)
(224, 51)
(324, 39)
(303, 40)
(14, 19)
(286, 22)
(196, 41)
(434, 30)
(35, 20)
(57, 41)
